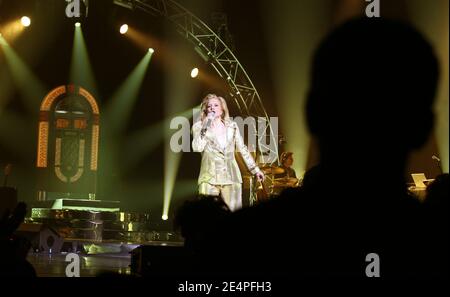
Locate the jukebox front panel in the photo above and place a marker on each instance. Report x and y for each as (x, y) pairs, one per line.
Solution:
(68, 141)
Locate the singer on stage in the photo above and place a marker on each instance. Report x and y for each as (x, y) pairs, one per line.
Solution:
(217, 137)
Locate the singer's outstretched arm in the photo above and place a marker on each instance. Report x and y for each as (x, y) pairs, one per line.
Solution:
(242, 148)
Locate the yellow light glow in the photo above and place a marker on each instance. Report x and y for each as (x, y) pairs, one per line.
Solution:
(11, 30)
(194, 72)
(123, 29)
(26, 21)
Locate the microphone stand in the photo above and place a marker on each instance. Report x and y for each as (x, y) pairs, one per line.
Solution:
(438, 163)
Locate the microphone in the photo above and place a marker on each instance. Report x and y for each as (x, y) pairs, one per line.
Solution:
(438, 163)
(208, 122)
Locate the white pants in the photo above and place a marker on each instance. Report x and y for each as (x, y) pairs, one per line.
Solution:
(231, 194)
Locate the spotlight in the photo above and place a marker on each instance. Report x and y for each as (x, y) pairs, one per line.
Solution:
(194, 72)
(123, 29)
(151, 51)
(164, 217)
(77, 24)
(26, 21)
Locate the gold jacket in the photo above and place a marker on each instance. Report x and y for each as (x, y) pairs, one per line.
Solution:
(219, 166)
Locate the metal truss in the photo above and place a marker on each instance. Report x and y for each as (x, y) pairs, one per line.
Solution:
(213, 50)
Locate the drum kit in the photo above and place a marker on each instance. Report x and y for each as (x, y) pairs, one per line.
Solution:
(274, 186)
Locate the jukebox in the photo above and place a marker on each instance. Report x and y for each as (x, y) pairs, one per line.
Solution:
(67, 150)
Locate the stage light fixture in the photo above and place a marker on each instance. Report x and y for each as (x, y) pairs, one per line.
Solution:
(123, 29)
(125, 3)
(194, 72)
(77, 24)
(151, 51)
(26, 21)
(165, 217)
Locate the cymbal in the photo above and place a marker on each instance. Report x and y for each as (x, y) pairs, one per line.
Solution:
(285, 181)
(272, 170)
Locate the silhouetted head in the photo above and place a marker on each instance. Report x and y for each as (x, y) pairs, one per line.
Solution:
(438, 192)
(372, 89)
(311, 177)
(196, 218)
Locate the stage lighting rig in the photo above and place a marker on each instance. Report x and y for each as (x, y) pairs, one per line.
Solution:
(125, 3)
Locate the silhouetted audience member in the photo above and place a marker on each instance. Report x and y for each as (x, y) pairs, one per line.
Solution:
(195, 219)
(373, 84)
(437, 209)
(438, 192)
(13, 249)
(311, 176)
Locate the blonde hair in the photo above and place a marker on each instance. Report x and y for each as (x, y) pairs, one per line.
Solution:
(223, 103)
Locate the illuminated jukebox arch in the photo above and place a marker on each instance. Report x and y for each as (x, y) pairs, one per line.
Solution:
(68, 137)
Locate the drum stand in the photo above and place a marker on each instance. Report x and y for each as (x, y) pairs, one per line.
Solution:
(253, 197)
(253, 186)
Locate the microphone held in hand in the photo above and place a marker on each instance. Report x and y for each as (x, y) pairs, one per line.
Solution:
(208, 122)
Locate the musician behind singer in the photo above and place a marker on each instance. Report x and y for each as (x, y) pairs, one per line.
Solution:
(217, 137)
(286, 160)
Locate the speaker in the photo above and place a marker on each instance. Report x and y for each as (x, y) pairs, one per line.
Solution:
(41, 237)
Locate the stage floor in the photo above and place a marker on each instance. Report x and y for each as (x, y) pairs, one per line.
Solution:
(95, 259)
(54, 265)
